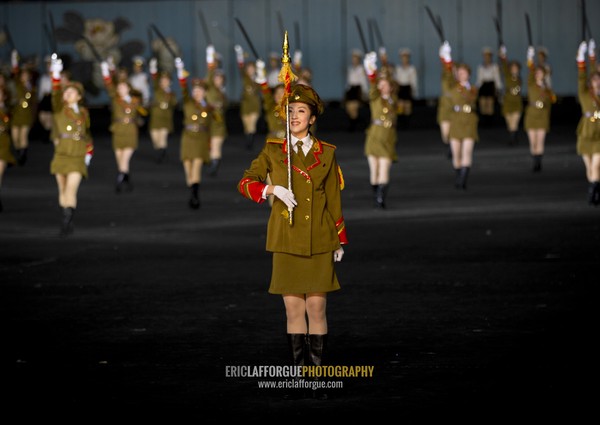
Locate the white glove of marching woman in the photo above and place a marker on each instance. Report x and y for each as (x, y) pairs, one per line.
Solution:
(56, 67)
(338, 254)
(445, 52)
(370, 63)
(581, 52)
(592, 48)
(285, 195)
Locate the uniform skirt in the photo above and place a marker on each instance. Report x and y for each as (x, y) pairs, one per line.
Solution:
(125, 136)
(195, 146)
(464, 126)
(537, 118)
(381, 142)
(297, 274)
(588, 137)
(63, 164)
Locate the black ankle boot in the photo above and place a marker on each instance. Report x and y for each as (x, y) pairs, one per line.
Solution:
(22, 156)
(380, 195)
(161, 156)
(513, 139)
(194, 198)
(464, 175)
(120, 182)
(298, 347)
(250, 141)
(594, 193)
(316, 349)
(537, 163)
(457, 172)
(214, 167)
(66, 227)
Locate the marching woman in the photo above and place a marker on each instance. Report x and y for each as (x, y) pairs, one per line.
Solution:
(73, 148)
(540, 98)
(250, 99)
(463, 132)
(217, 99)
(381, 135)
(162, 108)
(588, 129)
(306, 244)
(195, 137)
(6, 157)
(126, 111)
(512, 100)
(24, 109)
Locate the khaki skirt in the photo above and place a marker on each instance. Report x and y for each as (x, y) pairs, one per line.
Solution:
(297, 274)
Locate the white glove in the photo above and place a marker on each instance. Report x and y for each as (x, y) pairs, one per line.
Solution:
(111, 63)
(14, 58)
(285, 195)
(56, 67)
(88, 159)
(502, 51)
(370, 63)
(530, 53)
(298, 58)
(445, 52)
(210, 54)
(261, 74)
(239, 53)
(153, 66)
(592, 48)
(179, 66)
(338, 254)
(104, 67)
(581, 52)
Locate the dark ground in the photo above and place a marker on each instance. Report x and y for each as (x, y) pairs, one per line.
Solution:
(473, 304)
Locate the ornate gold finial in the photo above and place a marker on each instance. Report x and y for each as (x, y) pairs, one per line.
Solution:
(285, 58)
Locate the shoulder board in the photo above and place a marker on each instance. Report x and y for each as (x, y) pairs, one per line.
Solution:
(275, 140)
(328, 144)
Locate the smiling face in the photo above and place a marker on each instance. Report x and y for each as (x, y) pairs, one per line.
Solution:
(198, 93)
(301, 118)
(123, 89)
(71, 95)
(462, 74)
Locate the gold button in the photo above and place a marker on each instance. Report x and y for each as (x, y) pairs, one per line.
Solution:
(306, 217)
(27, 95)
(24, 104)
(307, 199)
(69, 128)
(203, 114)
(308, 181)
(194, 117)
(128, 110)
(385, 110)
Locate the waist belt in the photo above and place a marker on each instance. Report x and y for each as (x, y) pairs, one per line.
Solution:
(126, 120)
(463, 108)
(385, 124)
(74, 136)
(593, 116)
(195, 128)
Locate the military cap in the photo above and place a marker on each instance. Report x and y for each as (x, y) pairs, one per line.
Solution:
(306, 94)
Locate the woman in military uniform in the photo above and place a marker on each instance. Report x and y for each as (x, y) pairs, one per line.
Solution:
(24, 109)
(463, 132)
(6, 157)
(217, 99)
(540, 98)
(512, 100)
(250, 103)
(73, 146)
(195, 137)
(126, 110)
(588, 129)
(306, 246)
(162, 108)
(381, 134)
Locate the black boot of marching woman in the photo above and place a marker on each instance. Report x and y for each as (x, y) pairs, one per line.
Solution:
(194, 198)
(66, 226)
(464, 176)
(316, 349)
(594, 193)
(298, 346)
(380, 196)
(537, 163)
